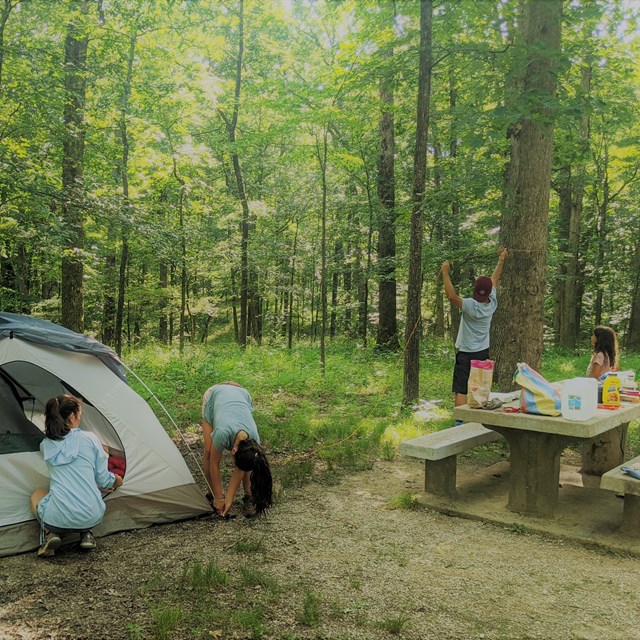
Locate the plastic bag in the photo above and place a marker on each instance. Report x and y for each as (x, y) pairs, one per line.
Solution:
(479, 385)
(538, 396)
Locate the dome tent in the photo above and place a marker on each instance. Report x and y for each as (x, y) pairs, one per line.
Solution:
(39, 360)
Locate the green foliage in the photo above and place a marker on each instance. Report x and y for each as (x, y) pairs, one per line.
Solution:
(242, 546)
(518, 529)
(406, 500)
(310, 615)
(255, 578)
(203, 578)
(394, 625)
(134, 631)
(251, 619)
(166, 621)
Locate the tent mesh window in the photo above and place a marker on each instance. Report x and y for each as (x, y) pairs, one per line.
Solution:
(25, 389)
(17, 432)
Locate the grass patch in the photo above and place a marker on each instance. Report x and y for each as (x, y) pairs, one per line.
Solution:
(394, 625)
(254, 578)
(251, 619)
(166, 621)
(310, 615)
(242, 546)
(201, 577)
(518, 529)
(407, 500)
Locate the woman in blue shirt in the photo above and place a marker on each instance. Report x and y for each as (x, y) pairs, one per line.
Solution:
(227, 423)
(77, 465)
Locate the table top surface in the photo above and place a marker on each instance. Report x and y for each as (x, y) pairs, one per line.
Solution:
(603, 421)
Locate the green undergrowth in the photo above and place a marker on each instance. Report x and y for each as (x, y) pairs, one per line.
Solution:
(315, 426)
(342, 419)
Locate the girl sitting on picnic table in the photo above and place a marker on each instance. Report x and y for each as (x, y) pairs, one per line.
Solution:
(605, 352)
(227, 423)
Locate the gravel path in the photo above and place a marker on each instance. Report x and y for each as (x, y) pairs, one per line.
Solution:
(337, 562)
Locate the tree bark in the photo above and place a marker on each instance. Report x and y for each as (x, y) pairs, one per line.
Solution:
(518, 325)
(411, 379)
(322, 159)
(632, 339)
(387, 337)
(338, 259)
(601, 230)
(124, 175)
(5, 11)
(231, 125)
(571, 197)
(75, 59)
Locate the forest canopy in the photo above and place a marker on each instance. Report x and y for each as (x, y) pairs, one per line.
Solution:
(172, 166)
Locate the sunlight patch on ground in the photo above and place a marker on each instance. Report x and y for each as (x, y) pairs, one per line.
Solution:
(429, 410)
(423, 411)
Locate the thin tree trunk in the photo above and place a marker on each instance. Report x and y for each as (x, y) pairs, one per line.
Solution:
(387, 337)
(7, 6)
(338, 258)
(601, 230)
(231, 125)
(411, 380)
(75, 59)
(322, 159)
(291, 286)
(124, 174)
(568, 325)
(632, 340)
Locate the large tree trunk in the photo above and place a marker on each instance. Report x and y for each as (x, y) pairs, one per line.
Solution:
(388, 325)
(518, 326)
(75, 59)
(413, 316)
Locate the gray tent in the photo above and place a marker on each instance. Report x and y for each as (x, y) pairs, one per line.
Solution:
(39, 360)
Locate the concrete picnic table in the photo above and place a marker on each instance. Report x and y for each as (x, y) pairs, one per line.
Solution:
(536, 443)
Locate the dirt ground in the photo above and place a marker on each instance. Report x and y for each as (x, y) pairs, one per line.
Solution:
(374, 572)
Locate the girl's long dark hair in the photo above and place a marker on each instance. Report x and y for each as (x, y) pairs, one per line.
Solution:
(56, 414)
(607, 342)
(250, 457)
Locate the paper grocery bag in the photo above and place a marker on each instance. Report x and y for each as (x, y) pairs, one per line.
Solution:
(479, 386)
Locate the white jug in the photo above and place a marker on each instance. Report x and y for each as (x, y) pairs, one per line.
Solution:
(579, 398)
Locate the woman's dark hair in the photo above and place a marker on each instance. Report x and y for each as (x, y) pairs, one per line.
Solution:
(56, 414)
(250, 457)
(607, 342)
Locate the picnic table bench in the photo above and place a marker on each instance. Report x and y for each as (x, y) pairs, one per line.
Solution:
(618, 481)
(440, 450)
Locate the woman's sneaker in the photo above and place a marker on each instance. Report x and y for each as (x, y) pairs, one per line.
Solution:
(248, 507)
(87, 541)
(52, 541)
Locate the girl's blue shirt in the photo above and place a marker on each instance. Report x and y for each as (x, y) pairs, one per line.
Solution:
(77, 465)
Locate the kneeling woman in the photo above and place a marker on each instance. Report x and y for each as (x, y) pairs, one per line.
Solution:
(77, 466)
(227, 423)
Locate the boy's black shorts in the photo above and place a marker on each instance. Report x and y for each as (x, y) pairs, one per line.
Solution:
(463, 367)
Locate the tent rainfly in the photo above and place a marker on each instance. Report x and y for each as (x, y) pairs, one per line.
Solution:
(39, 360)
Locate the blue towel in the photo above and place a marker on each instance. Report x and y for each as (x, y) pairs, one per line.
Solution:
(634, 473)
